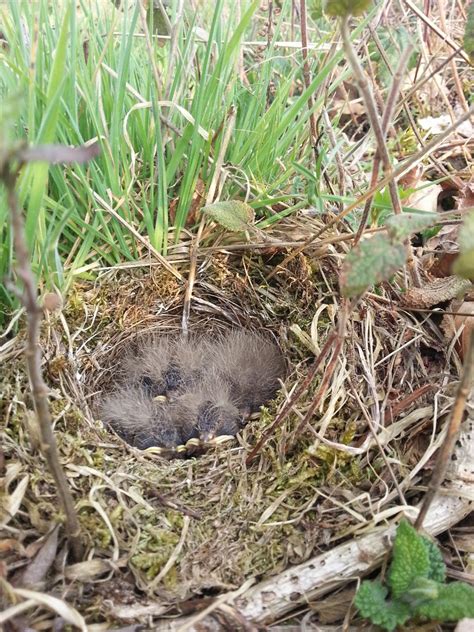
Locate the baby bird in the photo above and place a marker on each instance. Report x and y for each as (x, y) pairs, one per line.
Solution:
(206, 411)
(252, 365)
(138, 420)
(173, 390)
(163, 367)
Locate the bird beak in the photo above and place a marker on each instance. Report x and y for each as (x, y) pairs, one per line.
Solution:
(207, 437)
(160, 398)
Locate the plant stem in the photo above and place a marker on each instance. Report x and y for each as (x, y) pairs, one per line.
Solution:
(371, 110)
(33, 360)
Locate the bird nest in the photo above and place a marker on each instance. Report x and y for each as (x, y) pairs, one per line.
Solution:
(165, 537)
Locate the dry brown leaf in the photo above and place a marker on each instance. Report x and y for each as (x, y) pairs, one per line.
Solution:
(33, 575)
(437, 291)
(466, 197)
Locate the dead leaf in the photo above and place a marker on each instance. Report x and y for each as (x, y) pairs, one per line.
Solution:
(437, 291)
(33, 575)
(425, 198)
(460, 325)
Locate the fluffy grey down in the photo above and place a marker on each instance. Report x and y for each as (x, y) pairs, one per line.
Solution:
(170, 390)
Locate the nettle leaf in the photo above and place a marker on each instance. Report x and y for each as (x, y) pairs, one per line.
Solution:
(372, 261)
(464, 264)
(402, 226)
(372, 604)
(232, 214)
(437, 570)
(454, 601)
(341, 8)
(411, 559)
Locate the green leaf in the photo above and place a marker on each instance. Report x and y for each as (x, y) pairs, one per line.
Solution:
(342, 8)
(402, 226)
(411, 559)
(315, 9)
(422, 590)
(469, 33)
(372, 261)
(437, 566)
(454, 601)
(371, 602)
(464, 264)
(233, 215)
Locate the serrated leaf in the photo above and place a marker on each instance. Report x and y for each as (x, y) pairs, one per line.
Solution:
(372, 261)
(464, 264)
(372, 604)
(469, 32)
(437, 566)
(341, 8)
(232, 214)
(454, 601)
(402, 226)
(411, 559)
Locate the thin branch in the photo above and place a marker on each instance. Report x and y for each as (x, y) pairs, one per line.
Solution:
(386, 120)
(398, 172)
(33, 359)
(372, 113)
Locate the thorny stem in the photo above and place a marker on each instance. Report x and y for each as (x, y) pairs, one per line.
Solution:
(371, 109)
(454, 424)
(33, 359)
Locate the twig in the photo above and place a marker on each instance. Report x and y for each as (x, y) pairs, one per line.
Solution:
(452, 433)
(377, 128)
(33, 359)
(386, 120)
(425, 19)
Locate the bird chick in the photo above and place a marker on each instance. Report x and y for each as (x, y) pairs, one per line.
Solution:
(164, 367)
(252, 365)
(206, 411)
(138, 420)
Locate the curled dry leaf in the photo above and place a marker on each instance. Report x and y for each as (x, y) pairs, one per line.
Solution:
(425, 198)
(437, 291)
